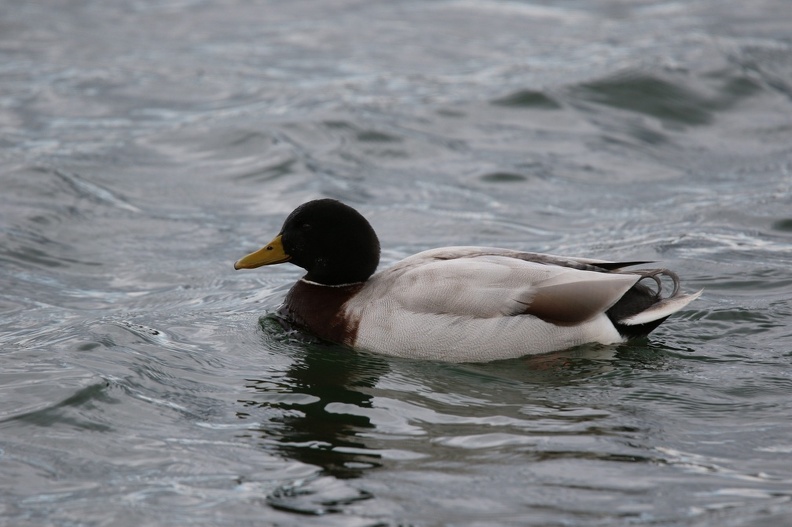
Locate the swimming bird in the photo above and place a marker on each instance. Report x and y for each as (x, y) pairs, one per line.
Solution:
(458, 304)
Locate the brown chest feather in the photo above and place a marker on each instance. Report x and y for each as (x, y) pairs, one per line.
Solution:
(320, 310)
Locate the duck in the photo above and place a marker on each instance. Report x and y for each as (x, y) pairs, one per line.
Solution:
(459, 303)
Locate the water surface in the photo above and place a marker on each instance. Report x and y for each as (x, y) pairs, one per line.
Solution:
(148, 145)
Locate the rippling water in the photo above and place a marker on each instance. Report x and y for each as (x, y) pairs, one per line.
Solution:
(146, 145)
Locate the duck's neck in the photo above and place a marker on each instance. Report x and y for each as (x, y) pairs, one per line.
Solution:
(340, 270)
(308, 281)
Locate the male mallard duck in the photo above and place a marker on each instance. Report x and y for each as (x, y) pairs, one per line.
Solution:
(459, 304)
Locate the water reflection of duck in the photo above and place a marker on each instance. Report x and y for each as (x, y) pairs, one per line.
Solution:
(456, 303)
(323, 417)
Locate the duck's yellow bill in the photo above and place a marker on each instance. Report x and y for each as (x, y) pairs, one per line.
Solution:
(272, 254)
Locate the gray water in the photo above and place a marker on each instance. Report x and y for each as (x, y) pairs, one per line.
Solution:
(146, 145)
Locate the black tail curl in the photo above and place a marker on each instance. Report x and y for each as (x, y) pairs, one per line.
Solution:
(640, 298)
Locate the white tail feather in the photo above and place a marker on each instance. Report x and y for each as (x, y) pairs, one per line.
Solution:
(661, 309)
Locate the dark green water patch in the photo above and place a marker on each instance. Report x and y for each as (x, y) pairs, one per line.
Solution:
(372, 136)
(648, 95)
(527, 99)
(784, 225)
(503, 177)
(670, 100)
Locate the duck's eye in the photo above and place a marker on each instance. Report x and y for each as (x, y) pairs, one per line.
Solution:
(305, 227)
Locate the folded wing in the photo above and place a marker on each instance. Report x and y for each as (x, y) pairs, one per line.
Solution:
(484, 283)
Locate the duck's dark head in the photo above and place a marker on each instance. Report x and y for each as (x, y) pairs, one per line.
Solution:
(330, 240)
